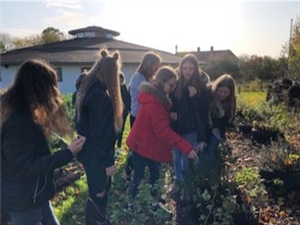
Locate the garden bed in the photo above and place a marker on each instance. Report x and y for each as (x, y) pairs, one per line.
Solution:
(282, 205)
(68, 174)
(279, 208)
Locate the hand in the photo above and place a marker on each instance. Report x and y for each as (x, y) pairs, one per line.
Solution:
(76, 145)
(192, 91)
(193, 154)
(110, 171)
(173, 116)
(200, 146)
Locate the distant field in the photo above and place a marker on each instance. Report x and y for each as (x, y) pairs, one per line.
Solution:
(251, 99)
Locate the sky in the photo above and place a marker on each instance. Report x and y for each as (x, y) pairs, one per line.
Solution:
(245, 27)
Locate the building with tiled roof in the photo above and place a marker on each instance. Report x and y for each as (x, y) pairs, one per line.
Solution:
(205, 56)
(71, 57)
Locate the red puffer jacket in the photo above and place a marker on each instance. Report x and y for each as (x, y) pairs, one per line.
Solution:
(151, 135)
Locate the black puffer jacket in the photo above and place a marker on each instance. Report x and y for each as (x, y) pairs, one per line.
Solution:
(96, 123)
(26, 164)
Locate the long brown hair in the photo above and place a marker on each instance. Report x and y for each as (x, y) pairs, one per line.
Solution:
(35, 90)
(107, 70)
(224, 80)
(149, 60)
(195, 80)
(163, 75)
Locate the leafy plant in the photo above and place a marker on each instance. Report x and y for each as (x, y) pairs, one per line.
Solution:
(69, 107)
(249, 180)
(211, 192)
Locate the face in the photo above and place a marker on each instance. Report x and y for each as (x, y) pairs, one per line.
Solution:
(223, 93)
(169, 85)
(154, 68)
(188, 70)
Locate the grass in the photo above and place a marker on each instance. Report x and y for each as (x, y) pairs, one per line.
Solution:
(69, 204)
(251, 99)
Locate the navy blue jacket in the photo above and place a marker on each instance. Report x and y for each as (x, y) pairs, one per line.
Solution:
(96, 123)
(26, 164)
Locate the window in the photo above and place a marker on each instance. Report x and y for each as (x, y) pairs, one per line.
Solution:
(59, 74)
(110, 36)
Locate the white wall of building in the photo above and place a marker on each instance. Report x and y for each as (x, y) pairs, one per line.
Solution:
(70, 73)
(7, 75)
(128, 71)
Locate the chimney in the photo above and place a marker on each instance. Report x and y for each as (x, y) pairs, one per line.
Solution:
(198, 49)
(211, 48)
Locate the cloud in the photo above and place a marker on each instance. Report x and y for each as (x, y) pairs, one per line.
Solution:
(69, 14)
(64, 4)
(68, 21)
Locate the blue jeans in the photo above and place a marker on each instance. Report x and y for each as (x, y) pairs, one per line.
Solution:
(139, 165)
(180, 159)
(212, 147)
(41, 215)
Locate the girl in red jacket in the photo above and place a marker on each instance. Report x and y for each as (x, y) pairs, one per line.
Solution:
(151, 138)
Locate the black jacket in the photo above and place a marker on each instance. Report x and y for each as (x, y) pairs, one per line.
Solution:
(26, 164)
(96, 123)
(126, 100)
(191, 115)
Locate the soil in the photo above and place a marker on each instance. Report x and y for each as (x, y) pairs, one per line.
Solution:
(281, 206)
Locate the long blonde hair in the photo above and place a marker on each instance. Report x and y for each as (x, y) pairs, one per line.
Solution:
(107, 70)
(35, 90)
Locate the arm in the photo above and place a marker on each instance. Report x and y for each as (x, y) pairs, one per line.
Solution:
(134, 91)
(159, 121)
(174, 111)
(135, 83)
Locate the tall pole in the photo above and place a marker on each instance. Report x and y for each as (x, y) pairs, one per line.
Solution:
(290, 41)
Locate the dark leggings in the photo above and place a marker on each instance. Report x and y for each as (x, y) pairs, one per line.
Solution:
(98, 182)
(129, 163)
